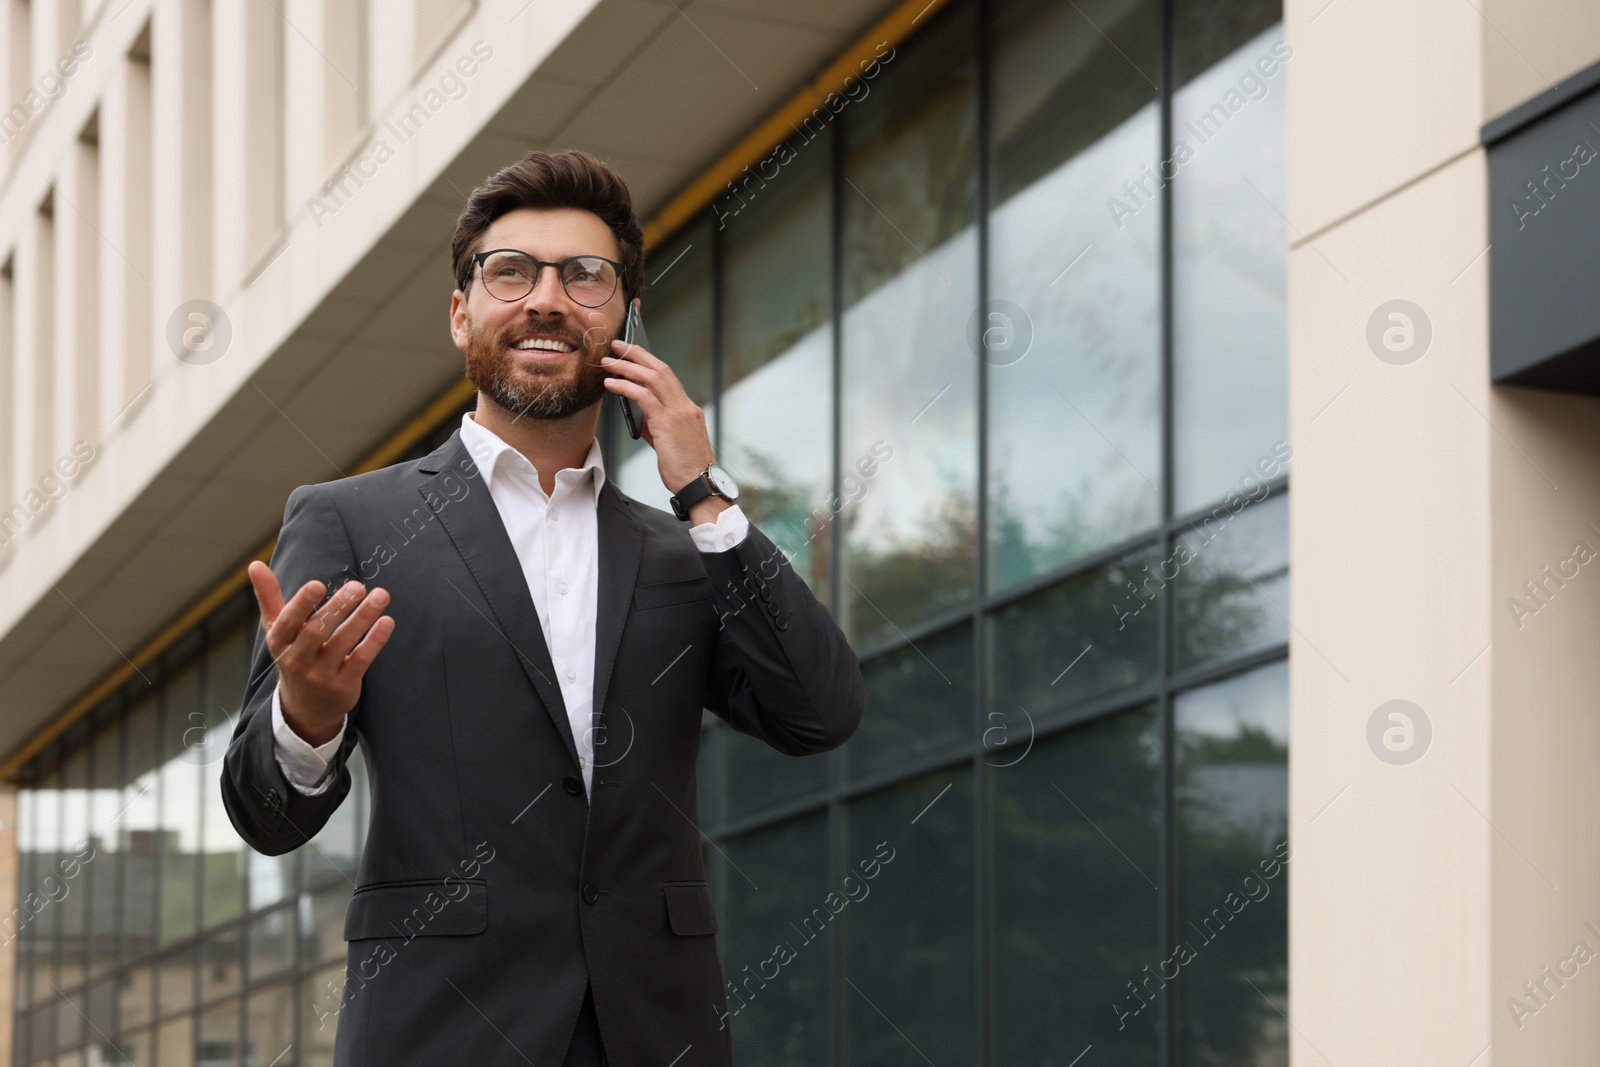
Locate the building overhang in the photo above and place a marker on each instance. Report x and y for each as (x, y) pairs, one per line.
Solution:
(1544, 230)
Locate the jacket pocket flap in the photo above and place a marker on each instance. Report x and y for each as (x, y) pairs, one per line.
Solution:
(414, 909)
(689, 909)
(660, 594)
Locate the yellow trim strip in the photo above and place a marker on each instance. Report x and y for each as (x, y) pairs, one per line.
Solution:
(892, 29)
(385, 454)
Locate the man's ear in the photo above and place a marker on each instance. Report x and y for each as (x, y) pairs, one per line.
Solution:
(458, 319)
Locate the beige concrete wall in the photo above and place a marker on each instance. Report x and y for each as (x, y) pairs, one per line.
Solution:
(1426, 893)
(1545, 869)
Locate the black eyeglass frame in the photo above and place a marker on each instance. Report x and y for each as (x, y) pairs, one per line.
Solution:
(539, 265)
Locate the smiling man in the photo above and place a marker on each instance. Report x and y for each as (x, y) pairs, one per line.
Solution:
(525, 674)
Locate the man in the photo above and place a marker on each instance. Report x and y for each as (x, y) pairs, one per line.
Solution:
(532, 888)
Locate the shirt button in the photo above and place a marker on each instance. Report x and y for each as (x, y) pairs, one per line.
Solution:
(561, 587)
(551, 514)
(572, 675)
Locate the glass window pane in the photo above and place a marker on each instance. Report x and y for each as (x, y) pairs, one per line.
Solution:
(68, 870)
(1084, 638)
(223, 875)
(322, 922)
(1230, 251)
(1233, 824)
(907, 904)
(132, 1049)
(175, 1043)
(135, 996)
(181, 784)
(269, 1027)
(70, 1028)
(101, 871)
(175, 980)
(919, 700)
(336, 848)
(776, 407)
(139, 833)
(909, 380)
(221, 963)
(1232, 583)
(321, 993)
(45, 886)
(271, 945)
(708, 777)
(21, 927)
(1077, 912)
(760, 776)
(773, 879)
(676, 307)
(1075, 387)
(219, 1037)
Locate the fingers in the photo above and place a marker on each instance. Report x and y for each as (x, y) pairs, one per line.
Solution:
(356, 625)
(361, 657)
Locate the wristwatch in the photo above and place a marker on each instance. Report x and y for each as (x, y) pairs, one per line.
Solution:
(713, 481)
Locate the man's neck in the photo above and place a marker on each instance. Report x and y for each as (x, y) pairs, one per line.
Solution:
(550, 445)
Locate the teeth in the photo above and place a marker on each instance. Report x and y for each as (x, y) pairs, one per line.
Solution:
(543, 345)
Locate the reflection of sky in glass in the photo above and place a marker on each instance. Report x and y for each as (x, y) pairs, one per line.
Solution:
(1076, 422)
(1239, 796)
(1258, 699)
(767, 414)
(1229, 277)
(909, 381)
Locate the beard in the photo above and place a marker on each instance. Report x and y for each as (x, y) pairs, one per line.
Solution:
(537, 390)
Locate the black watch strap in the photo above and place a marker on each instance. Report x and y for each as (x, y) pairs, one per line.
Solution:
(689, 496)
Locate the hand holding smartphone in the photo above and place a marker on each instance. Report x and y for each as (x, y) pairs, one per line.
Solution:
(633, 334)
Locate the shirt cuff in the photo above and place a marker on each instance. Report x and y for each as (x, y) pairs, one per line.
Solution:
(305, 766)
(729, 529)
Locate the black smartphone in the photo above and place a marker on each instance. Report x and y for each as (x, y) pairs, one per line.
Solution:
(632, 333)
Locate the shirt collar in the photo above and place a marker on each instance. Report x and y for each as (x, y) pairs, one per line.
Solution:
(488, 451)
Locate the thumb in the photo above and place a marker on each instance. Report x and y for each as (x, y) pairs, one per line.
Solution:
(268, 595)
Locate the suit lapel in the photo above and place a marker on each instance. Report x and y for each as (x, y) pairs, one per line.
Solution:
(475, 527)
(621, 542)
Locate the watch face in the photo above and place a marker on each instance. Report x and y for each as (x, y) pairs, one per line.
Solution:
(721, 482)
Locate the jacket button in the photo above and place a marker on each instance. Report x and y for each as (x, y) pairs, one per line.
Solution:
(773, 609)
(571, 784)
(782, 623)
(590, 893)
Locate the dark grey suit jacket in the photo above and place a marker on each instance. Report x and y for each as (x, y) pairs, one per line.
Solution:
(491, 889)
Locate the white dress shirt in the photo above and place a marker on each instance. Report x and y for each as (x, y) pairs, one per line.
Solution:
(556, 539)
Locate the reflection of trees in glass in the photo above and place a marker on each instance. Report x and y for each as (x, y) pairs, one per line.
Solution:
(1077, 840)
(1222, 843)
(911, 157)
(780, 505)
(1020, 549)
(907, 581)
(1040, 636)
(909, 942)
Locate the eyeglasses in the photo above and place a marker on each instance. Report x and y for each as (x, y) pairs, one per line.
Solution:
(511, 275)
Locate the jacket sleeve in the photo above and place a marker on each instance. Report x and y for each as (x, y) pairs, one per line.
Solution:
(782, 669)
(264, 808)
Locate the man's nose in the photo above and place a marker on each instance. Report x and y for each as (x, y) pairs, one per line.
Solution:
(547, 294)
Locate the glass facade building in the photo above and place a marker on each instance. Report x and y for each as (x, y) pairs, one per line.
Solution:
(996, 350)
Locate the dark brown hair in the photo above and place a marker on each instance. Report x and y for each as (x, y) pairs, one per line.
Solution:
(569, 178)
